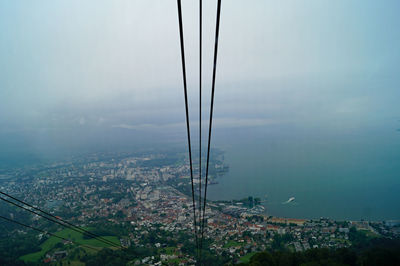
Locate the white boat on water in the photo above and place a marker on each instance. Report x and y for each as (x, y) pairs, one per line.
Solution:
(291, 199)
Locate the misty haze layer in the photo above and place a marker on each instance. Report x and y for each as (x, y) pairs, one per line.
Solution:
(82, 76)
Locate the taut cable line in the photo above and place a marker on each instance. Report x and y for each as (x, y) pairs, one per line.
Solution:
(187, 114)
(200, 103)
(48, 233)
(56, 220)
(211, 116)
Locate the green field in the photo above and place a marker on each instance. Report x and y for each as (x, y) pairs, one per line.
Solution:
(246, 258)
(74, 236)
(169, 250)
(369, 234)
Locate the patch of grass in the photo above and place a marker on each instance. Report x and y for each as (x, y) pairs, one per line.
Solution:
(76, 263)
(46, 246)
(246, 258)
(74, 236)
(33, 257)
(369, 233)
(291, 248)
(169, 250)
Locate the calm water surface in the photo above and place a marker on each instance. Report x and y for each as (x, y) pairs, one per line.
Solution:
(342, 175)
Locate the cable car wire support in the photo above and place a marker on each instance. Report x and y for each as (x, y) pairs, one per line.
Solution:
(211, 117)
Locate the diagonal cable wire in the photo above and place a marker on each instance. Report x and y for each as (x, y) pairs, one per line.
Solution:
(211, 116)
(45, 232)
(54, 221)
(73, 227)
(187, 114)
(58, 218)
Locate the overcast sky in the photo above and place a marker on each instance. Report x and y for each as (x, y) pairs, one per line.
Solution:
(116, 64)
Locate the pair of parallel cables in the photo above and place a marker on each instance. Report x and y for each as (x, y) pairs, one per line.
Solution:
(57, 220)
(199, 229)
(45, 232)
(52, 218)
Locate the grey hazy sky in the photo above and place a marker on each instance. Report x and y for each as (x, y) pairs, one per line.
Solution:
(116, 64)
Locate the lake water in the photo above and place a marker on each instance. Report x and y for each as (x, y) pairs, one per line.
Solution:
(341, 175)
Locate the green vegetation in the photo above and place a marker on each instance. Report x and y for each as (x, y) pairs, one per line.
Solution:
(54, 243)
(169, 250)
(279, 241)
(11, 248)
(360, 238)
(246, 258)
(369, 233)
(376, 251)
(175, 261)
